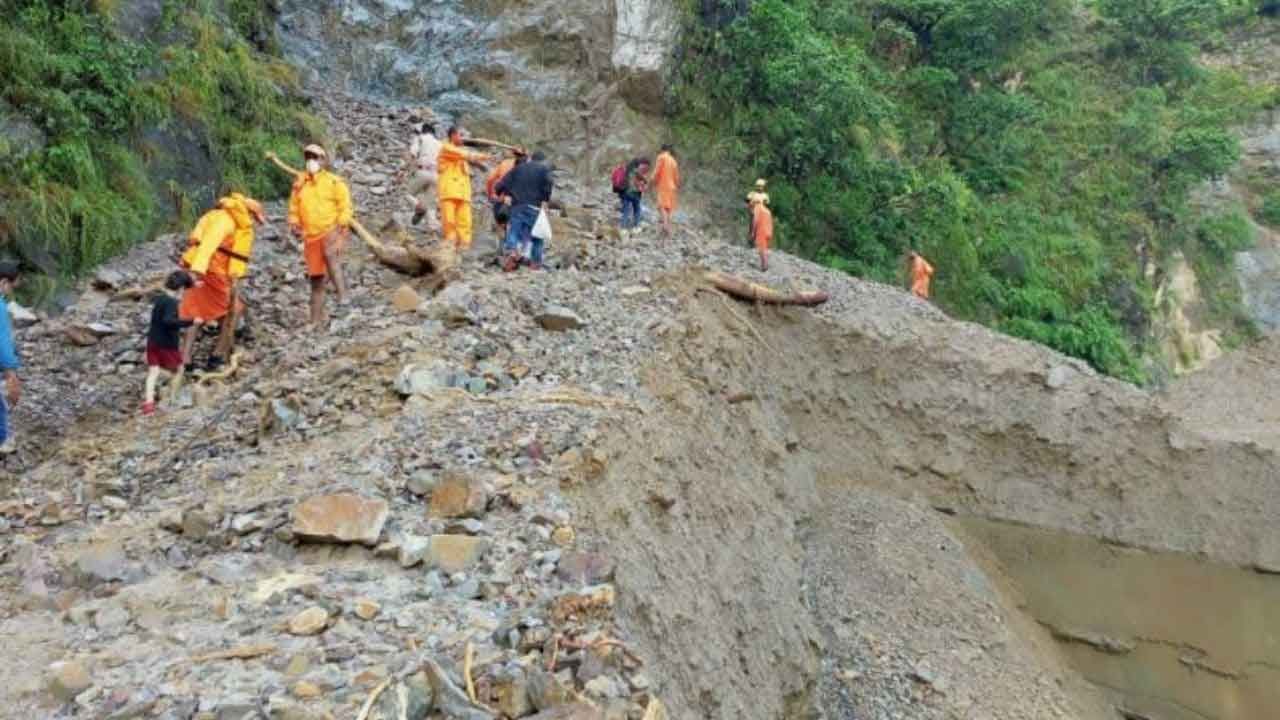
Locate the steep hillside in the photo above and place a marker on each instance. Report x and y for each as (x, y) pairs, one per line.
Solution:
(605, 484)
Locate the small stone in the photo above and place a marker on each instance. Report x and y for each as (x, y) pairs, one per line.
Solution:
(311, 621)
(512, 696)
(307, 691)
(557, 318)
(341, 518)
(108, 279)
(197, 524)
(456, 553)
(422, 482)
(546, 691)
(112, 502)
(104, 562)
(367, 609)
(458, 496)
(603, 687)
(298, 665)
(564, 536)
(413, 550)
(405, 299)
(582, 568)
(68, 679)
(1058, 377)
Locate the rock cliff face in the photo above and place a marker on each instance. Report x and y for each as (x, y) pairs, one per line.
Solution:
(582, 78)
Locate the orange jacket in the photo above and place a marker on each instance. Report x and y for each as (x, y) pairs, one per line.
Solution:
(666, 172)
(455, 172)
(761, 226)
(222, 239)
(495, 177)
(320, 203)
(921, 273)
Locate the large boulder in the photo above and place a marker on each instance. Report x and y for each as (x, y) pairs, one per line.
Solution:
(644, 40)
(341, 518)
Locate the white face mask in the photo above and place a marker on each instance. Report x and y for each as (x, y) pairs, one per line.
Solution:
(313, 166)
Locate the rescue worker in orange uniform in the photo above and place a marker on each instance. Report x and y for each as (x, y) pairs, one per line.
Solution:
(455, 163)
(218, 255)
(320, 213)
(921, 273)
(666, 180)
(761, 229)
(500, 204)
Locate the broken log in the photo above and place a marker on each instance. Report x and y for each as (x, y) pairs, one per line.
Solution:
(744, 289)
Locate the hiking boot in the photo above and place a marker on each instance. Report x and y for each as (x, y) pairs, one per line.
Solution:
(535, 266)
(9, 447)
(511, 262)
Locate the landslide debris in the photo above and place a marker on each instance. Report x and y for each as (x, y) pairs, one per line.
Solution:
(607, 490)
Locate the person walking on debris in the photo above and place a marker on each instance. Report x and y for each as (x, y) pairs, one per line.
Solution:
(761, 229)
(218, 254)
(921, 273)
(666, 181)
(422, 161)
(9, 363)
(633, 189)
(320, 213)
(529, 187)
(501, 205)
(164, 346)
(455, 163)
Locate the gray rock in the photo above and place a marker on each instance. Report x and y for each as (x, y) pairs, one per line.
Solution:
(449, 700)
(1058, 377)
(422, 482)
(410, 699)
(413, 550)
(423, 379)
(557, 318)
(103, 563)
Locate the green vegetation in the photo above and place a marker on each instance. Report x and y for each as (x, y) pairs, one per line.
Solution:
(122, 122)
(1269, 213)
(1040, 152)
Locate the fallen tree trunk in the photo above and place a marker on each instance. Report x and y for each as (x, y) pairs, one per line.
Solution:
(744, 289)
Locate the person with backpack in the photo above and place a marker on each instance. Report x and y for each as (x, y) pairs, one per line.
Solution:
(218, 252)
(634, 184)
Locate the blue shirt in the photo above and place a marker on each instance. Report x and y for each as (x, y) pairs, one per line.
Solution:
(8, 352)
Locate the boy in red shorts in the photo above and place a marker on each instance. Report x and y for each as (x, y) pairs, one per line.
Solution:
(164, 345)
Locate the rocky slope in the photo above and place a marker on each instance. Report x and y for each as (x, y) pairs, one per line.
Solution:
(600, 491)
(583, 79)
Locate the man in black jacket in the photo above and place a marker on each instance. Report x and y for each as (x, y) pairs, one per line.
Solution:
(529, 187)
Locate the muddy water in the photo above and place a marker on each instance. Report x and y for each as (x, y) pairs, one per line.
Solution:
(1166, 636)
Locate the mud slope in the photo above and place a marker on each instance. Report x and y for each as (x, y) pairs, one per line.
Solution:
(772, 519)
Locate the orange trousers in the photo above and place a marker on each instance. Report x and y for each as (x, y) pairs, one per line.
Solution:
(455, 216)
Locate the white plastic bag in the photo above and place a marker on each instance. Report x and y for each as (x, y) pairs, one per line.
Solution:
(542, 228)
